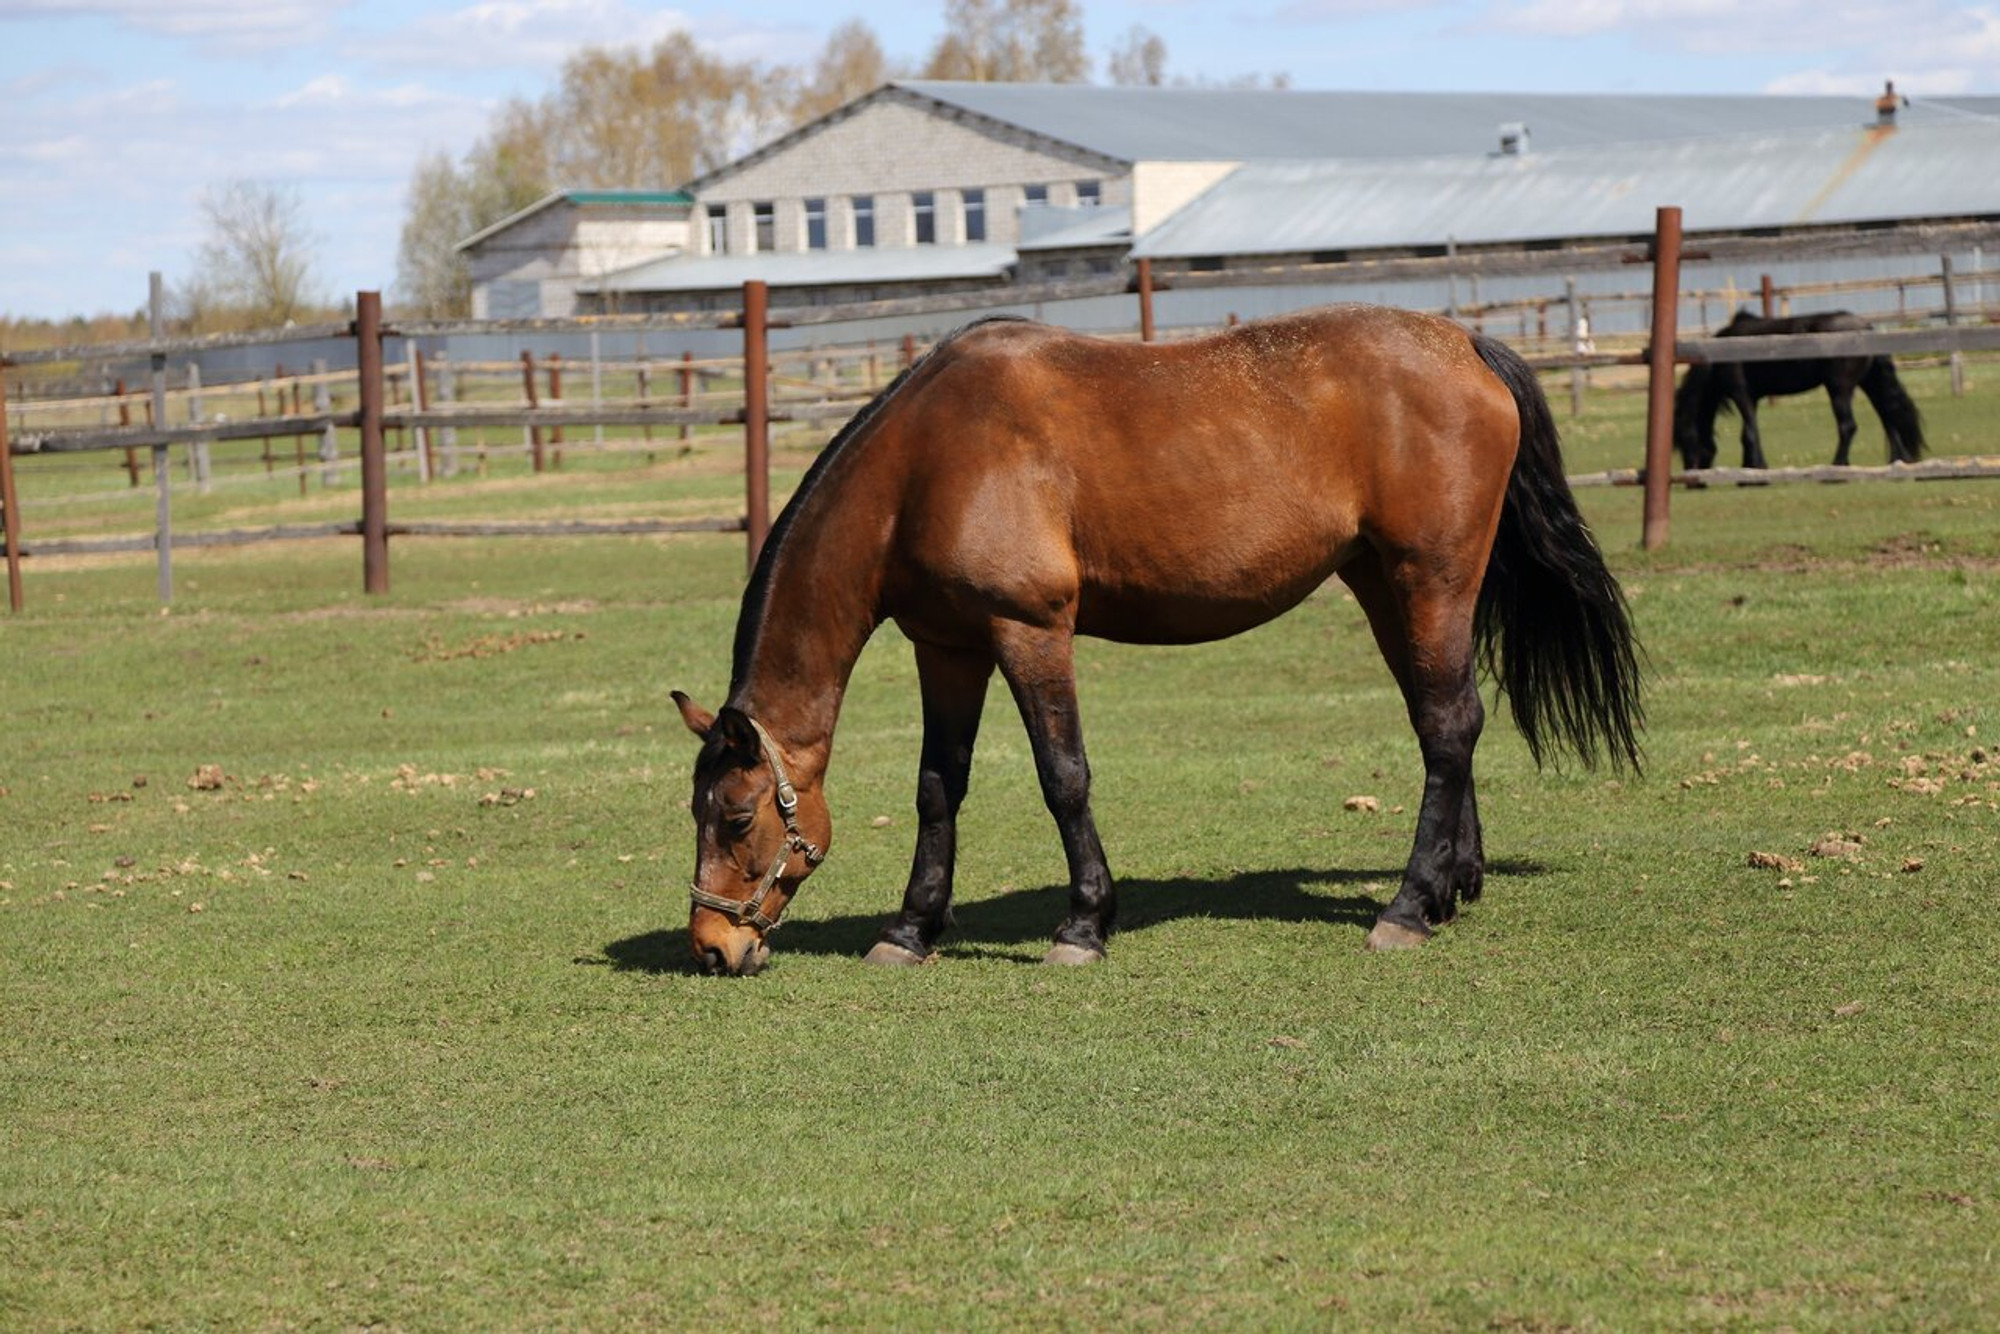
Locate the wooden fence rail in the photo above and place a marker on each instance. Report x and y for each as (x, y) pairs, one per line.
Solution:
(758, 406)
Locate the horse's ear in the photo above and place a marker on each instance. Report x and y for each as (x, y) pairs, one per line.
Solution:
(699, 720)
(737, 734)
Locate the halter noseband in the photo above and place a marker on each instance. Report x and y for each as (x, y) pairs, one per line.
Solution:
(750, 911)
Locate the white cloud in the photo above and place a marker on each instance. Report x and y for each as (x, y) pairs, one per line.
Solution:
(518, 34)
(229, 25)
(1842, 46)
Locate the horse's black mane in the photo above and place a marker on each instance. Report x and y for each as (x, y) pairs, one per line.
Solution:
(757, 595)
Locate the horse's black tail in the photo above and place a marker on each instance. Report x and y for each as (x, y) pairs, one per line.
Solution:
(1898, 411)
(1552, 624)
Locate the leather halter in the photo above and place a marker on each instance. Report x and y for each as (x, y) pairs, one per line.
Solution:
(750, 911)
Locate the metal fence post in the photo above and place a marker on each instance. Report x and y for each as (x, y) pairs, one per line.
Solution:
(1660, 385)
(756, 418)
(10, 501)
(374, 466)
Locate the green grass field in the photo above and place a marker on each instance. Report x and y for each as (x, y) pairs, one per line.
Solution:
(383, 1019)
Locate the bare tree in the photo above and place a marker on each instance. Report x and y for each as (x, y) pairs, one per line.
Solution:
(431, 276)
(850, 65)
(257, 258)
(1011, 41)
(1139, 59)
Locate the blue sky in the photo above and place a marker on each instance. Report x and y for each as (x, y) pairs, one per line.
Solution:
(120, 112)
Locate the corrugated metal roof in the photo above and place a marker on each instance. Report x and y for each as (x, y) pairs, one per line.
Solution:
(1745, 181)
(1238, 124)
(809, 268)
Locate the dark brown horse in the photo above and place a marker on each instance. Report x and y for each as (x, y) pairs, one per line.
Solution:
(1022, 485)
(1739, 384)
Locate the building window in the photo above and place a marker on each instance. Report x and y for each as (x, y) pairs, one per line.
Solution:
(924, 208)
(975, 215)
(766, 227)
(1089, 194)
(1036, 194)
(815, 224)
(718, 231)
(864, 220)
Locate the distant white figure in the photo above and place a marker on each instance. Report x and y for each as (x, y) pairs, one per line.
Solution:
(1584, 342)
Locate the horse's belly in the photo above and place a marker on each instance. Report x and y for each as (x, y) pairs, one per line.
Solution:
(1194, 609)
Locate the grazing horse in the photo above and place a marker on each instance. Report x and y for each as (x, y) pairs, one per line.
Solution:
(1022, 485)
(1739, 384)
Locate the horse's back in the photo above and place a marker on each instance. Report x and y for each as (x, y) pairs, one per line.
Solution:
(1190, 490)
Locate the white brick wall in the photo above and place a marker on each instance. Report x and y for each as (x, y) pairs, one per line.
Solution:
(890, 149)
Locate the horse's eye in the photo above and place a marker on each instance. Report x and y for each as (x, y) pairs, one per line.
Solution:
(740, 822)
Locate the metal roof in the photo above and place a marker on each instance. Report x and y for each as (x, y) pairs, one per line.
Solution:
(1058, 227)
(585, 198)
(809, 268)
(1238, 124)
(1745, 181)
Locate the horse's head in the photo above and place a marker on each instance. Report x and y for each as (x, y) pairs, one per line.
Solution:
(1694, 418)
(757, 837)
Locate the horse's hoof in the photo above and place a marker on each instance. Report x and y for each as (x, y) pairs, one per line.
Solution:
(1389, 935)
(891, 955)
(1072, 956)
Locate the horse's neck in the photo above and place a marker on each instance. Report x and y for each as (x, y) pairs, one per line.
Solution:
(820, 606)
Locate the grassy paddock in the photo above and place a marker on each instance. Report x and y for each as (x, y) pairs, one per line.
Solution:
(392, 1026)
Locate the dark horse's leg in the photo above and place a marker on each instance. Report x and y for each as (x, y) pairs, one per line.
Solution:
(1840, 392)
(1039, 665)
(1424, 628)
(954, 692)
(1746, 407)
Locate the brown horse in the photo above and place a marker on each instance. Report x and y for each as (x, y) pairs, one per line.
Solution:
(1023, 485)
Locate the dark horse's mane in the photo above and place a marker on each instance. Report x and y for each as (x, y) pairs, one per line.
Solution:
(757, 595)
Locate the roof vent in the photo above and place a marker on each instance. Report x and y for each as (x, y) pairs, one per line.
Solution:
(1514, 138)
(1887, 104)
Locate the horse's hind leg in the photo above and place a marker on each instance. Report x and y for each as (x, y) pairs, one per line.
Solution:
(1039, 665)
(1423, 625)
(953, 683)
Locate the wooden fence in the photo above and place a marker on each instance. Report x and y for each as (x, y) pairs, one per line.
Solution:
(431, 426)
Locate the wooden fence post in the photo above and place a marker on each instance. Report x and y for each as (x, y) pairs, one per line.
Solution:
(329, 436)
(1769, 292)
(163, 521)
(419, 400)
(10, 502)
(534, 401)
(1660, 386)
(125, 419)
(756, 417)
(1145, 300)
(556, 400)
(374, 465)
(687, 398)
(1576, 348)
(447, 436)
(1951, 321)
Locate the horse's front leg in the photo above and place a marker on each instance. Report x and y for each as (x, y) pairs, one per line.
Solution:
(1039, 665)
(1843, 417)
(953, 683)
(1753, 442)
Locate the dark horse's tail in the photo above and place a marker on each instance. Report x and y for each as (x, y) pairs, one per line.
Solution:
(1901, 421)
(1551, 621)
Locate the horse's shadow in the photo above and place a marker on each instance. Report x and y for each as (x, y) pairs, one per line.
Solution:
(995, 927)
